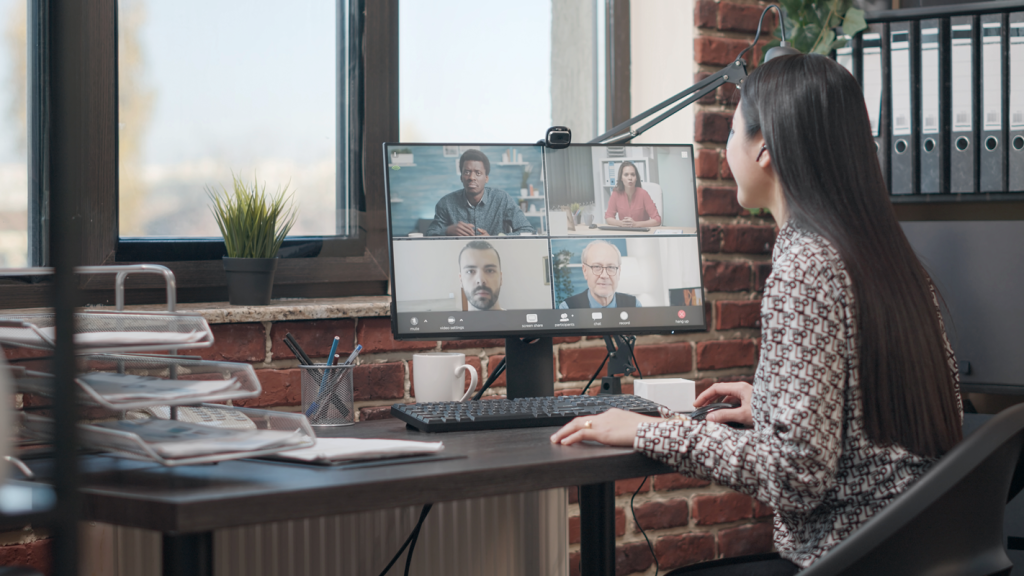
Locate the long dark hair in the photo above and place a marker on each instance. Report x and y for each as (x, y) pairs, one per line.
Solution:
(812, 116)
(618, 182)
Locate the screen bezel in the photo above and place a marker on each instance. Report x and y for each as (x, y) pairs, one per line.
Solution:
(535, 332)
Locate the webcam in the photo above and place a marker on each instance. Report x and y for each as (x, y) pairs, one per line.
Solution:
(558, 137)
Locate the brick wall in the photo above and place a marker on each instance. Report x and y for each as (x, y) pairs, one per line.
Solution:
(687, 520)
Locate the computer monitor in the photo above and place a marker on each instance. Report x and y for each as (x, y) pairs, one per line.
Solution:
(520, 241)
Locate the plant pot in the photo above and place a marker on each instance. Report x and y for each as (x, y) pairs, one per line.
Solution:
(250, 280)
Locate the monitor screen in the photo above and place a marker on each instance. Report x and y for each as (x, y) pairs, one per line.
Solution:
(510, 240)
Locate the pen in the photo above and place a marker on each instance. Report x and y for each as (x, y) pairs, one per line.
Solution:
(323, 380)
(303, 357)
(352, 356)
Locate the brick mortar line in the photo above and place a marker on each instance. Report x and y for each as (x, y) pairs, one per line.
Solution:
(733, 35)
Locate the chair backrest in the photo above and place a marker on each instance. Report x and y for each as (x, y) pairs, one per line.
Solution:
(951, 520)
(654, 191)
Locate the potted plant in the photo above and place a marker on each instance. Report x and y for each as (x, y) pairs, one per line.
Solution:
(253, 225)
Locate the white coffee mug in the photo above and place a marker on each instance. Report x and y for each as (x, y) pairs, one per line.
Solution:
(441, 377)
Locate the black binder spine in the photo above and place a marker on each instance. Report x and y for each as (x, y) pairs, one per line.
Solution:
(1015, 76)
(992, 121)
(963, 164)
(933, 99)
(876, 90)
(902, 147)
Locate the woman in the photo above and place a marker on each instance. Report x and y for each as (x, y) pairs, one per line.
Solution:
(630, 205)
(856, 393)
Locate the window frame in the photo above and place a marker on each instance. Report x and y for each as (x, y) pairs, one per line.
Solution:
(82, 86)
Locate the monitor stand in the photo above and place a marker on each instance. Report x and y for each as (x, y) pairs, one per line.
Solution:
(529, 368)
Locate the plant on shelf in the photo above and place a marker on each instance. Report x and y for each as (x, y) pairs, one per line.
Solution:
(562, 280)
(254, 225)
(811, 25)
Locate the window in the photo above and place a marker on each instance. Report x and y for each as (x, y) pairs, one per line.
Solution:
(14, 190)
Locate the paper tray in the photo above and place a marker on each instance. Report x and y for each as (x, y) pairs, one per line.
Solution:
(127, 445)
(104, 331)
(161, 367)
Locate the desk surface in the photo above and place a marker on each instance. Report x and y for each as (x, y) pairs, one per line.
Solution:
(234, 493)
(582, 230)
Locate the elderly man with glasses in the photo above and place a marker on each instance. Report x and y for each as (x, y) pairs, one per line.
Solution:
(602, 263)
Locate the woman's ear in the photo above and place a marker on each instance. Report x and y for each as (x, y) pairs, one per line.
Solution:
(764, 157)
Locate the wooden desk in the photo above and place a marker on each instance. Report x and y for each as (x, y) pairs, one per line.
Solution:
(654, 231)
(188, 503)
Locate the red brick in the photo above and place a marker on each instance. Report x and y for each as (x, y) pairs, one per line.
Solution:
(492, 363)
(728, 276)
(748, 239)
(574, 563)
(315, 337)
(565, 339)
(379, 381)
(719, 354)
(620, 521)
(711, 127)
(35, 555)
(724, 171)
(461, 344)
(662, 514)
(574, 494)
(473, 361)
(375, 413)
(580, 363)
(234, 343)
(737, 314)
(684, 549)
(568, 392)
(574, 526)
(375, 336)
(630, 485)
(744, 540)
(657, 359)
(761, 273)
(280, 388)
(710, 238)
(674, 481)
(762, 510)
(18, 353)
(632, 557)
(719, 508)
(705, 14)
(743, 18)
(717, 201)
(703, 384)
(706, 164)
(714, 51)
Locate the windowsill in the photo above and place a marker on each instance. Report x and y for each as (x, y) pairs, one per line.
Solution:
(278, 310)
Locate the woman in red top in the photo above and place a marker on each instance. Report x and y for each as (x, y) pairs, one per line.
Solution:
(631, 205)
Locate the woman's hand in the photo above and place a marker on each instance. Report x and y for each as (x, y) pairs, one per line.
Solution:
(734, 392)
(628, 222)
(614, 428)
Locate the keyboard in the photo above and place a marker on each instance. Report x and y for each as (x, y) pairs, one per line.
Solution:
(624, 229)
(518, 413)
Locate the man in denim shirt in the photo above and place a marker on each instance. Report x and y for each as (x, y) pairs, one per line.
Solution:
(477, 210)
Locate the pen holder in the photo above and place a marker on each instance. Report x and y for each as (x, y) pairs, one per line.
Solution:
(327, 395)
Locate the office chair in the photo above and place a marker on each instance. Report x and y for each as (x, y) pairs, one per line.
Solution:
(951, 520)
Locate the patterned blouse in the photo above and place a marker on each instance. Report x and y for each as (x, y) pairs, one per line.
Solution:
(808, 455)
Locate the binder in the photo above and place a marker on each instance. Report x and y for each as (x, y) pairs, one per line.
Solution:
(902, 151)
(932, 148)
(992, 148)
(1016, 104)
(875, 92)
(963, 130)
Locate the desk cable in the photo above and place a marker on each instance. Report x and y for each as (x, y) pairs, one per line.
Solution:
(657, 567)
(410, 542)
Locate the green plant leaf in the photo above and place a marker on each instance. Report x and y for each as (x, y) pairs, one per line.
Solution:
(853, 22)
(825, 46)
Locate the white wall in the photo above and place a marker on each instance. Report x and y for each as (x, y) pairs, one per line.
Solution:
(427, 274)
(661, 64)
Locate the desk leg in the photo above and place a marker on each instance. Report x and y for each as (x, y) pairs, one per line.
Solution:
(597, 529)
(188, 554)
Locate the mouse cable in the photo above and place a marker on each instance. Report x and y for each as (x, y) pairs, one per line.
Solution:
(657, 567)
(411, 539)
(416, 537)
(630, 340)
(592, 378)
(490, 379)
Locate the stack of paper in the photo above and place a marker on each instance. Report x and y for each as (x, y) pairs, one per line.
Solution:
(174, 439)
(344, 449)
(130, 388)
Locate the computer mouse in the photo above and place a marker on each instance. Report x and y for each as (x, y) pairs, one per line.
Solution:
(703, 411)
(593, 225)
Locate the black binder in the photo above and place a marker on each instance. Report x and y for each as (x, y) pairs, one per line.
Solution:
(992, 149)
(963, 131)
(1016, 84)
(902, 149)
(933, 99)
(876, 91)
